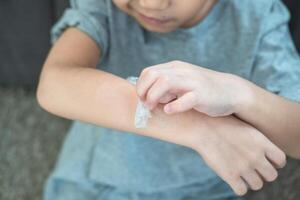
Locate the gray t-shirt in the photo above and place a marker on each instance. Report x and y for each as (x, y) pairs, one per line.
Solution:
(248, 38)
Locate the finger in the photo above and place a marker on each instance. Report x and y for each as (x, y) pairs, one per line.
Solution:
(167, 98)
(238, 185)
(183, 103)
(276, 156)
(157, 91)
(267, 171)
(145, 81)
(253, 179)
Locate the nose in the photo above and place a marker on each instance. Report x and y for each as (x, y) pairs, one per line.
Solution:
(155, 4)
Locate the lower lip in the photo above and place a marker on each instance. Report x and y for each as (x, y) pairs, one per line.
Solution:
(153, 21)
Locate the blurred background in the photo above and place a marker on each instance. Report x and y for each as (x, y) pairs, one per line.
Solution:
(31, 138)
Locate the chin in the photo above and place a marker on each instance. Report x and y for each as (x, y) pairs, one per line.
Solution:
(157, 29)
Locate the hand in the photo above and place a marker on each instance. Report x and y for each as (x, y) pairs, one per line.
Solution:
(183, 86)
(240, 154)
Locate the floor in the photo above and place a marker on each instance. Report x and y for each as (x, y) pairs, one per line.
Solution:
(30, 139)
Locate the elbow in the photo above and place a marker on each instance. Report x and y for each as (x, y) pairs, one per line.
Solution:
(43, 92)
(40, 97)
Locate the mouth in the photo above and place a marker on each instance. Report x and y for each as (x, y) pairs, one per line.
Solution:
(153, 21)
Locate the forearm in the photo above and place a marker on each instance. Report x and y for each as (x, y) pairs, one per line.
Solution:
(275, 116)
(101, 98)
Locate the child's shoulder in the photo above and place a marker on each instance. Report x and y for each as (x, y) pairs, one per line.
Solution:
(253, 6)
(255, 9)
(257, 14)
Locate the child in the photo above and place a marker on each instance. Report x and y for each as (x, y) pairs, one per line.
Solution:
(99, 43)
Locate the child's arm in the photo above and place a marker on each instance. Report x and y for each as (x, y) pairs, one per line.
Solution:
(219, 94)
(71, 87)
(275, 116)
(277, 70)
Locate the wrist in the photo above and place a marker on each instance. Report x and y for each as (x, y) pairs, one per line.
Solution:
(185, 128)
(244, 96)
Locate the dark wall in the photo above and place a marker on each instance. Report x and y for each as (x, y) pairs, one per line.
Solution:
(24, 39)
(24, 36)
(59, 7)
(294, 7)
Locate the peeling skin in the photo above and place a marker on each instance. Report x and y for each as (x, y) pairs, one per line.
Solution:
(142, 113)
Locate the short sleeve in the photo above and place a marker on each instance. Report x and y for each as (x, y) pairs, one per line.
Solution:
(277, 63)
(90, 16)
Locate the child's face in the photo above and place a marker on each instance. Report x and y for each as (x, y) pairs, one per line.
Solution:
(166, 15)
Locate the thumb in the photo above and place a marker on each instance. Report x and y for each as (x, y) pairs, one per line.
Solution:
(184, 103)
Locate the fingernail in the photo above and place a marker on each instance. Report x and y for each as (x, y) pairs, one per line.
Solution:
(168, 109)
